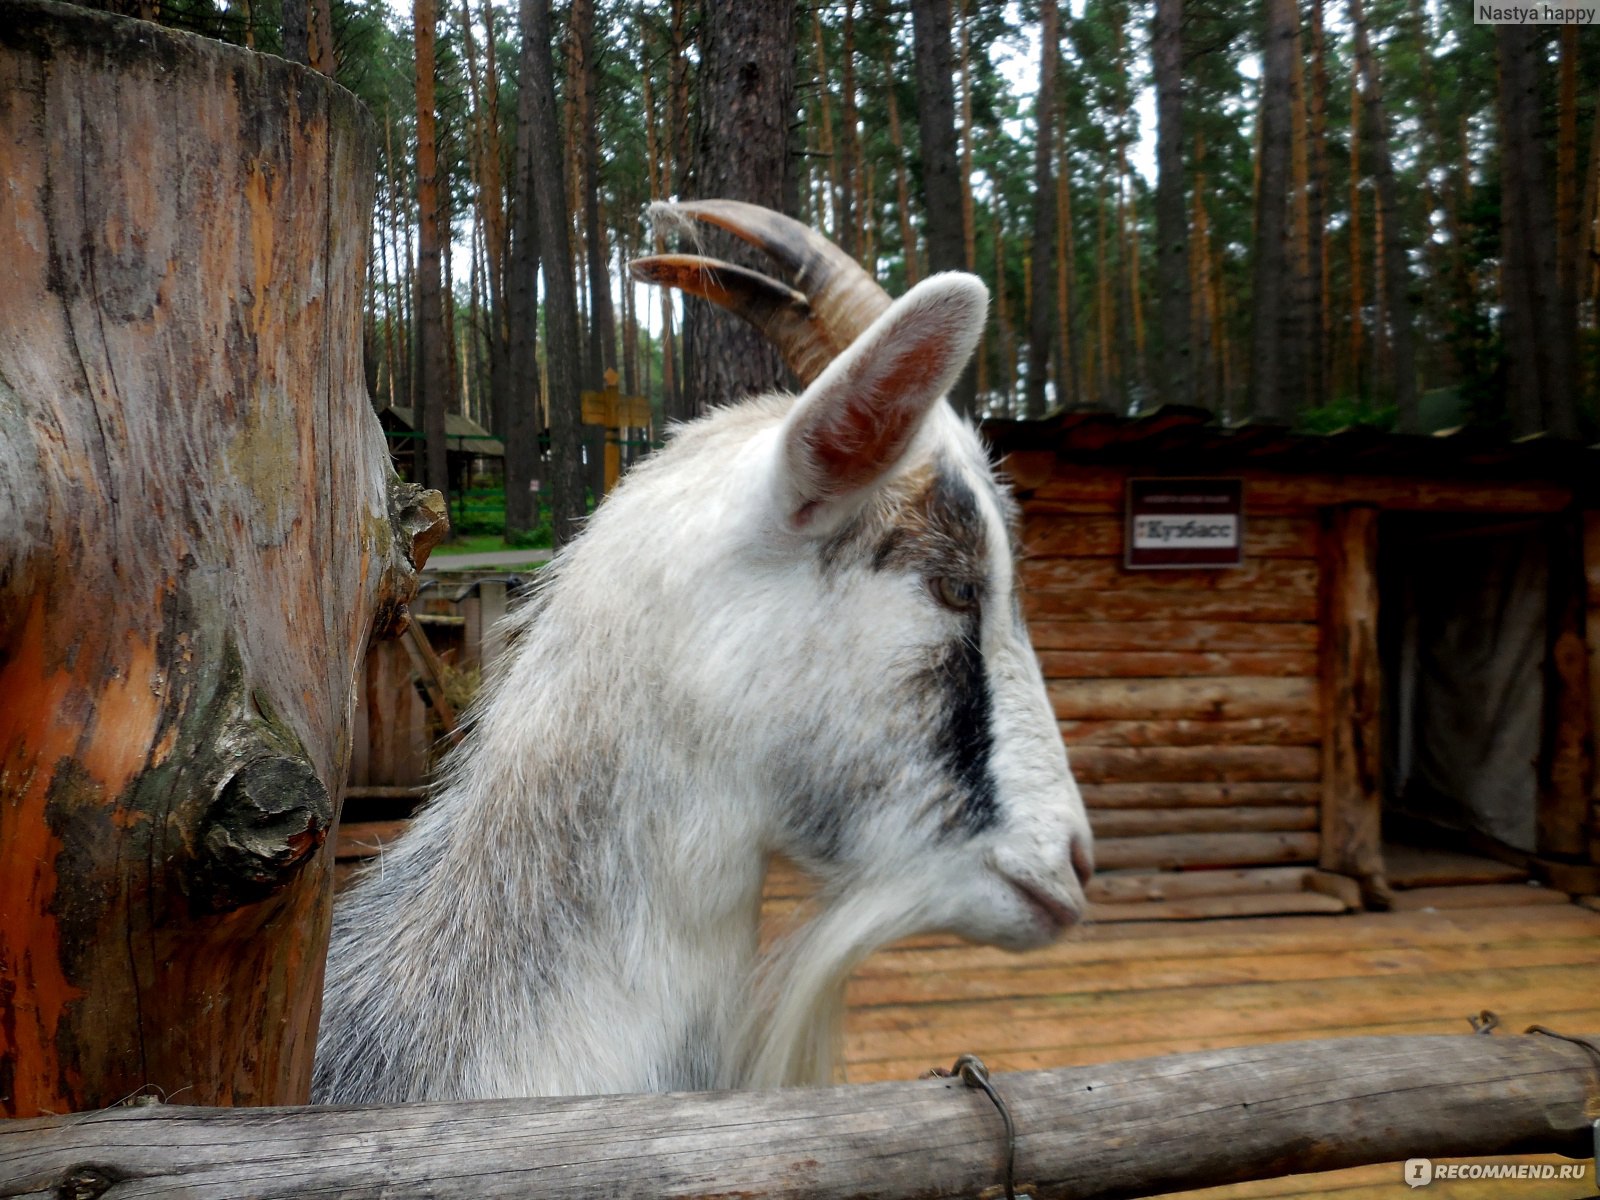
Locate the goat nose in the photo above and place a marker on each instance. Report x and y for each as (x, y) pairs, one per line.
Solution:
(1082, 860)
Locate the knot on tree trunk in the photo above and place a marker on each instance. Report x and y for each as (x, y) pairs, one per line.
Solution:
(270, 817)
(269, 811)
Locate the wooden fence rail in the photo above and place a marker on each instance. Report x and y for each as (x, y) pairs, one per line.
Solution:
(1133, 1128)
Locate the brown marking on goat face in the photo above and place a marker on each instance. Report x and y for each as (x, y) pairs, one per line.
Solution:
(927, 521)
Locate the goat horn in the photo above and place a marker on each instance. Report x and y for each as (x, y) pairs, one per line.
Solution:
(831, 304)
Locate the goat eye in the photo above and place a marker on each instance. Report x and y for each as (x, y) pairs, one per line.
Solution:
(958, 595)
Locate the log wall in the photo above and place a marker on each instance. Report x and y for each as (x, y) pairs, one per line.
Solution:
(1207, 713)
(1188, 699)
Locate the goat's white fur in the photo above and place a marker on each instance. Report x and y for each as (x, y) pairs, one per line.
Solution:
(576, 910)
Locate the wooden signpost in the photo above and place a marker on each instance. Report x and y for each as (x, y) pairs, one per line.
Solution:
(616, 413)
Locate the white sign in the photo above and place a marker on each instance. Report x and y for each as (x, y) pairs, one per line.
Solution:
(1176, 531)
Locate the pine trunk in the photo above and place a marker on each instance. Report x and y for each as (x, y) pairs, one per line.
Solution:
(1176, 385)
(602, 317)
(908, 232)
(1540, 334)
(1273, 396)
(1071, 386)
(1396, 274)
(1042, 285)
(1318, 346)
(548, 185)
(432, 345)
(742, 153)
(941, 180)
(1356, 381)
(203, 532)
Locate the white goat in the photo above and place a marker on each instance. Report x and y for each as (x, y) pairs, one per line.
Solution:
(794, 630)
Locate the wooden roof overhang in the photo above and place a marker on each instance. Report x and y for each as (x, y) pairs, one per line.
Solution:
(1465, 469)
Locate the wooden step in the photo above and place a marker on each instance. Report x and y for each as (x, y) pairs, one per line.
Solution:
(1489, 895)
(1412, 867)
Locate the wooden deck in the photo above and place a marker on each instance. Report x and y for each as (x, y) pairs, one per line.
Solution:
(1137, 989)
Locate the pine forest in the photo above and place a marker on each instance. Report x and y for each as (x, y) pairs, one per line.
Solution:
(1314, 213)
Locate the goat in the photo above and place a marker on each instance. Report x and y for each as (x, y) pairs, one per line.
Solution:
(794, 630)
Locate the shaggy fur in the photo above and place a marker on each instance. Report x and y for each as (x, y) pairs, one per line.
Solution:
(751, 650)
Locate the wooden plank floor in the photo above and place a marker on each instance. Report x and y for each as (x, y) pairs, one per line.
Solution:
(1138, 989)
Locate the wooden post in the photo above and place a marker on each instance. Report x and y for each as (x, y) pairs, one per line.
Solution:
(616, 413)
(396, 719)
(484, 607)
(1566, 766)
(202, 532)
(1352, 693)
(1591, 574)
(1144, 1127)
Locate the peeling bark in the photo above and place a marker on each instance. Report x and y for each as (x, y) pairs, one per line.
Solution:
(203, 530)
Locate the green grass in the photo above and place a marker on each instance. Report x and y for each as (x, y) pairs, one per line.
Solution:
(473, 543)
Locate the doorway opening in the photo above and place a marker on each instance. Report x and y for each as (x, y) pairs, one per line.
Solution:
(1464, 636)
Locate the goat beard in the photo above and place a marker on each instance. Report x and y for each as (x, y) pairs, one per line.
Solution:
(792, 1031)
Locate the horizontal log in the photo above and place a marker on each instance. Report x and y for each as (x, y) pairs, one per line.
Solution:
(1188, 850)
(1175, 795)
(1298, 729)
(1104, 489)
(366, 839)
(1117, 1129)
(1200, 764)
(1174, 664)
(1215, 908)
(1135, 822)
(1123, 887)
(1048, 534)
(1200, 699)
(1154, 604)
(1294, 575)
(384, 792)
(1169, 635)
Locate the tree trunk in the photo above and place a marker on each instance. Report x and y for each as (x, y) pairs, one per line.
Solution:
(1042, 302)
(203, 531)
(1318, 352)
(978, 385)
(1070, 390)
(521, 421)
(548, 185)
(908, 232)
(1540, 336)
(1272, 397)
(433, 367)
(742, 153)
(851, 180)
(941, 184)
(320, 43)
(297, 31)
(1135, 1128)
(1172, 229)
(1396, 273)
(828, 214)
(602, 319)
(488, 159)
(1356, 380)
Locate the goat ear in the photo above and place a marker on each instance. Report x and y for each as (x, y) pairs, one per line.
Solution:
(859, 417)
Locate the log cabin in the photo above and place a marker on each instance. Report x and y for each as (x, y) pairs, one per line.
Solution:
(1387, 681)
